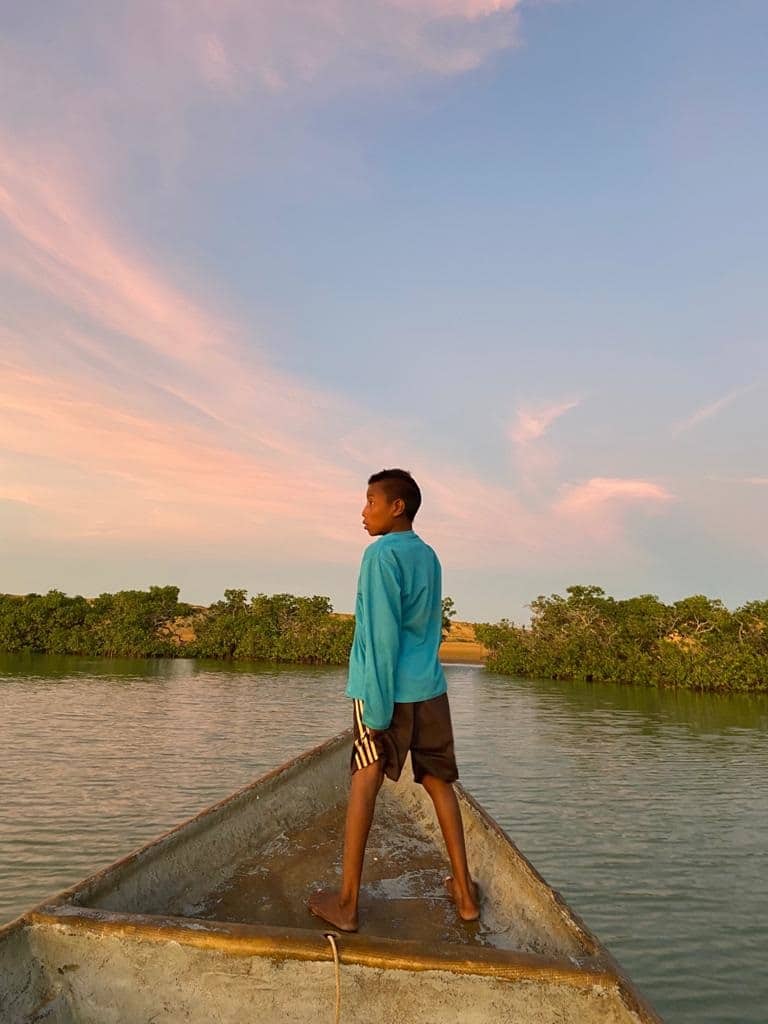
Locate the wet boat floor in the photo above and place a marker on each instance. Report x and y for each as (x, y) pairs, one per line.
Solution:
(402, 894)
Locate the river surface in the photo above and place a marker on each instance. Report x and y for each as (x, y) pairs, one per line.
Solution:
(647, 809)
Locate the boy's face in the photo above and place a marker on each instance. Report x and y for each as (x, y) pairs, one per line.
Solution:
(381, 516)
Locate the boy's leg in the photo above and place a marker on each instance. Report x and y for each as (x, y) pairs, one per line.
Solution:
(461, 887)
(340, 908)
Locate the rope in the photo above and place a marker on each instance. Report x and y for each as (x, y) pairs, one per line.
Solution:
(331, 936)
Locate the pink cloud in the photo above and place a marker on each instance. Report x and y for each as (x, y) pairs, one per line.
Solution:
(60, 246)
(535, 458)
(713, 408)
(753, 481)
(599, 491)
(532, 423)
(235, 45)
(150, 418)
(496, 526)
(114, 473)
(156, 411)
(594, 514)
(162, 56)
(455, 8)
(139, 324)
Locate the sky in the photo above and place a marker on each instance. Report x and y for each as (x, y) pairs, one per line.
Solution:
(253, 251)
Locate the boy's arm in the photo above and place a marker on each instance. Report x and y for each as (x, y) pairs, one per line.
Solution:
(382, 620)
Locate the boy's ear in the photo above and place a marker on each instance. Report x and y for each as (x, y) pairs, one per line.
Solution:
(398, 507)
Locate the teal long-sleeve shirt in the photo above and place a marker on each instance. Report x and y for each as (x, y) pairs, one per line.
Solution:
(398, 622)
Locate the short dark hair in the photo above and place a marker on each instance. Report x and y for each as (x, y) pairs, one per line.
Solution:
(398, 483)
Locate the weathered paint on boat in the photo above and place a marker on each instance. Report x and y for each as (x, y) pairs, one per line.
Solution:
(209, 923)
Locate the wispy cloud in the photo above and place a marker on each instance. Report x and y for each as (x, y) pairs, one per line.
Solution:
(712, 409)
(532, 423)
(110, 472)
(600, 490)
(155, 413)
(59, 245)
(480, 524)
(597, 510)
(149, 417)
(535, 459)
(236, 45)
(118, 307)
(752, 481)
(233, 48)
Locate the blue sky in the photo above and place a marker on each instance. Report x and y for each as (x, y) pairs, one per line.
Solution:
(253, 252)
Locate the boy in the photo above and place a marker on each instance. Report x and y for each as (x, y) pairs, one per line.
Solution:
(399, 692)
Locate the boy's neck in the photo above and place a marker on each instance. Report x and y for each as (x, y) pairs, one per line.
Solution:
(407, 527)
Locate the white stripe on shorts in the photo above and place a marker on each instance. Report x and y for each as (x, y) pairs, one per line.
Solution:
(365, 749)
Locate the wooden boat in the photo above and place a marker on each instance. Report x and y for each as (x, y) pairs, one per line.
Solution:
(208, 923)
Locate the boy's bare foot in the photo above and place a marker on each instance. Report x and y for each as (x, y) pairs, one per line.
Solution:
(468, 906)
(329, 907)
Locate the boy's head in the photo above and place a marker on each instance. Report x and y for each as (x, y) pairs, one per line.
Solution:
(392, 500)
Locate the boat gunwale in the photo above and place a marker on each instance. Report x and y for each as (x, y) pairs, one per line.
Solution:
(237, 939)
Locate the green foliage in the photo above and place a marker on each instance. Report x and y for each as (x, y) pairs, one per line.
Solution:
(52, 622)
(587, 635)
(449, 611)
(277, 628)
(136, 623)
(142, 624)
(130, 623)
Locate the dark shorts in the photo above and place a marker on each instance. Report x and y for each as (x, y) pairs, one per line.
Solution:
(424, 728)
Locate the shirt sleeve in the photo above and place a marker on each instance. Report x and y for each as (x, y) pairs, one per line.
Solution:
(381, 591)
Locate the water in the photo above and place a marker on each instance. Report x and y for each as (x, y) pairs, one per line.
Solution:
(648, 810)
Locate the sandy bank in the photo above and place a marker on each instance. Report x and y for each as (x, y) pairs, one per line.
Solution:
(462, 645)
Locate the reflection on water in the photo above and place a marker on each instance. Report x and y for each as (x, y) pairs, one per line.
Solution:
(648, 809)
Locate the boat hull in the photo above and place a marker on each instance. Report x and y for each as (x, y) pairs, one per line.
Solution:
(209, 923)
